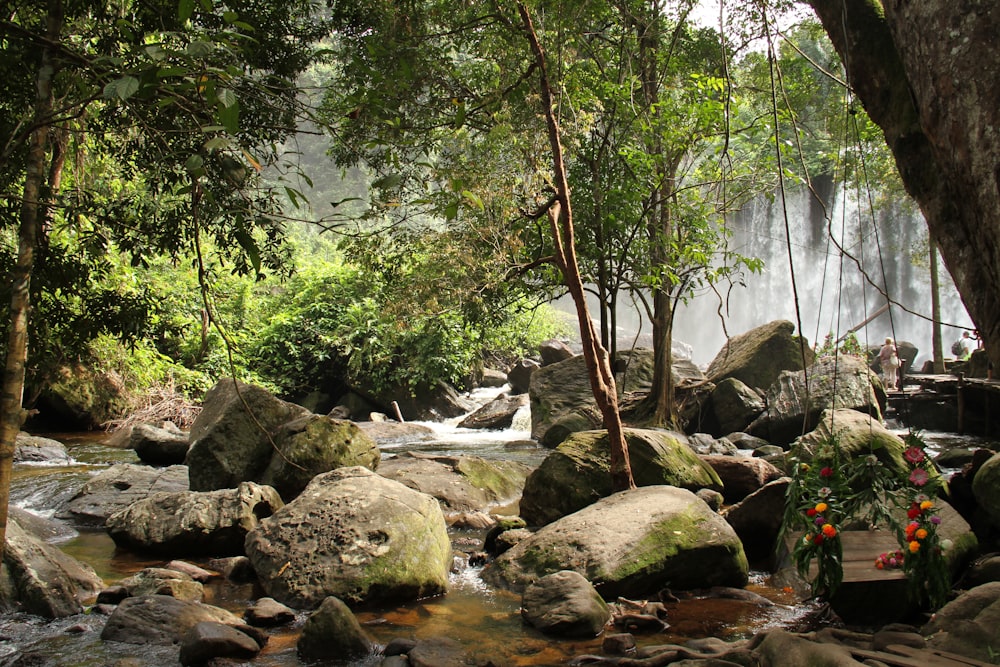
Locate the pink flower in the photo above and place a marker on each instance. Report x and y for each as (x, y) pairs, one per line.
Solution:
(919, 476)
(914, 454)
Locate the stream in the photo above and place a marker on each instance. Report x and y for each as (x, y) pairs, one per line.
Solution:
(486, 622)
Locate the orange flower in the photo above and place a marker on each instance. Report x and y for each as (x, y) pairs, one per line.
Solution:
(921, 534)
(879, 564)
(829, 530)
(926, 505)
(821, 507)
(914, 546)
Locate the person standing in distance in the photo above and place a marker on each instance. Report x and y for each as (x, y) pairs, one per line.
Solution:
(888, 359)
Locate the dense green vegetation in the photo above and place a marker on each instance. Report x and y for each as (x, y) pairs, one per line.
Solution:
(202, 219)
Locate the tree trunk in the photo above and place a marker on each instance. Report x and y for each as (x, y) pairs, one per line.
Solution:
(560, 212)
(936, 344)
(928, 74)
(32, 217)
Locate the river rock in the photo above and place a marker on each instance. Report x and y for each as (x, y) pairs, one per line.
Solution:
(498, 414)
(190, 523)
(119, 486)
(230, 439)
(159, 446)
(759, 356)
(460, 483)
(553, 351)
(36, 449)
(780, 648)
(160, 620)
(757, 519)
(314, 444)
(163, 581)
(333, 632)
(631, 544)
(968, 625)
(856, 434)
(268, 613)
(41, 579)
(208, 640)
(519, 375)
(741, 475)
(986, 490)
(394, 434)
(355, 535)
(732, 406)
(578, 471)
(565, 604)
(794, 406)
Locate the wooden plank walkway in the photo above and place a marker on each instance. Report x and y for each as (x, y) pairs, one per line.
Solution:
(861, 548)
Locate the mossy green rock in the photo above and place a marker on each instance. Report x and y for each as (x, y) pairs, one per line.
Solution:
(986, 488)
(355, 535)
(856, 434)
(578, 472)
(632, 543)
(757, 357)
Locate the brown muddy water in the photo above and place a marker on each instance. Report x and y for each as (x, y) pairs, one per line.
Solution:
(486, 622)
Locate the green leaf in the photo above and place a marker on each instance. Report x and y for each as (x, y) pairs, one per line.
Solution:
(194, 163)
(226, 97)
(199, 48)
(184, 10)
(250, 247)
(216, 143)
(122, 88)
(229, 117)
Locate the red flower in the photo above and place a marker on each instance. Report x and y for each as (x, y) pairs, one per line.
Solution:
(826, 472)
(811, 512)
(818, 539)
(913, 512)
(919, 476)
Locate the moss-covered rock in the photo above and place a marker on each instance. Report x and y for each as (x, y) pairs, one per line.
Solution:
(757, 357)
(578, 472)
(355, 535)
(631, 543)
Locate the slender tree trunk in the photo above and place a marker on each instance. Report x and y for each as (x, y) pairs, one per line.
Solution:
(936, 344)
(32, 217)
(602, 379)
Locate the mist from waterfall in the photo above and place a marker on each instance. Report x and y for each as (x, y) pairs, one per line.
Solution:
(833, 294)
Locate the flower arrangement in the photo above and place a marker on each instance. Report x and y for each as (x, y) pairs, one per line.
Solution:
(922, 548)
(817, 511)
(826, 495)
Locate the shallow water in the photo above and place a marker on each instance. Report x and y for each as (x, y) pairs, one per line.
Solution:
(486, 622)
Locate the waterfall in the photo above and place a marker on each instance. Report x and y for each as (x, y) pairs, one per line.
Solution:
(833, 294)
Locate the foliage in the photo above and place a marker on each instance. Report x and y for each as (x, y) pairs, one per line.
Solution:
(848, 345)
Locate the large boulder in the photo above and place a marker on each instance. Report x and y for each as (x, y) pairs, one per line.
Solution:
(355, 535)
(231, 438)
(562, 400)
(856, 434)
(757, 519)
(160, 620)
(741, 475)
(759, 356)
(968, 625)
(279, 444)
(631, 544)
(114, 489)
(578, 471)
(159, 446)
(194, 523)
(42, 580)
(498, 414)
(796, 400)
(519, 375)
(36, 449)
(460, 483)
(312, 445)
(732, 406)
(986, 490)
